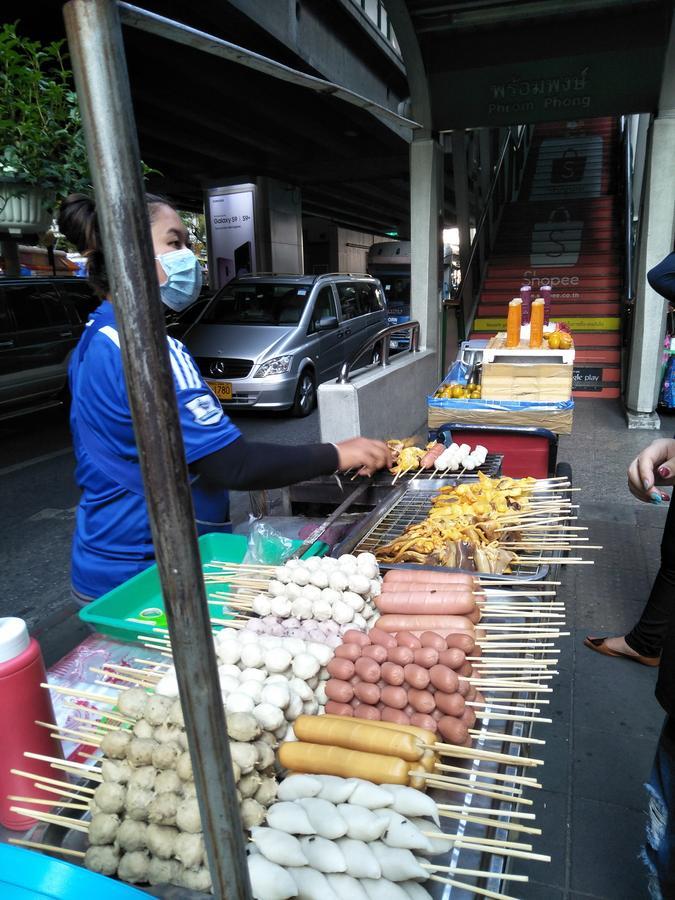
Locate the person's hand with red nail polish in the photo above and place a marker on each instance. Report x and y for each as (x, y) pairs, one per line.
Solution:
(651, 469)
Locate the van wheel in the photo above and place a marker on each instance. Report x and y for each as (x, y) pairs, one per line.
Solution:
(305, 394)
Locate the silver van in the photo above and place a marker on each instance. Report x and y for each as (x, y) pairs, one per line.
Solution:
(266, 341)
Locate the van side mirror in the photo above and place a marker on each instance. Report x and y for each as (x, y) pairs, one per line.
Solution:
(326, 323)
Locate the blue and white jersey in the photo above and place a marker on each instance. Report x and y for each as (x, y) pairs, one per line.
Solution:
(112, 538)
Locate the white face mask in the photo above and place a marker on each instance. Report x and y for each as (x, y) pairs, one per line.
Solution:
(184, 278)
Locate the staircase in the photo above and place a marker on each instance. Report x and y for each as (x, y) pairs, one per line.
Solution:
(564, 230)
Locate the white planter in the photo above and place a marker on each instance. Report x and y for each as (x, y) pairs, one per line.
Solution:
(24, 214)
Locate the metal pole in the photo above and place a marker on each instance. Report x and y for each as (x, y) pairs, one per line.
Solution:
(101, 79)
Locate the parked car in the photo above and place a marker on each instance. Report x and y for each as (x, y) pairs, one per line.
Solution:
(267, 341)
(41, 320)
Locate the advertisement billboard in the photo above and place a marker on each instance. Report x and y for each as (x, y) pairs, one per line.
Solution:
(231, 223)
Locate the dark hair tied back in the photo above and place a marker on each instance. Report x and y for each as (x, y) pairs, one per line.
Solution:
(79, 223)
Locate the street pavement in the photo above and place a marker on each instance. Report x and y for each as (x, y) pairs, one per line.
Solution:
(39, 497)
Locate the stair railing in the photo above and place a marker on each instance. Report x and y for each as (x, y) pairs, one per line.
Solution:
(506, 180)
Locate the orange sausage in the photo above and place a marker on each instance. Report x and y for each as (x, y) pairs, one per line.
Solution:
(416, 676)
(318, 759)
(393, 716)
(427, 657)
(405, 639)
(401, 655)
(379, 635)
(342, 669)
(450, 704)
(393, 674)
(458, 638)
(423, 721)
(429, 575)
(367, 670)
(444, 679)
(396, 622)
(348, 651)
(364, 711)
(367, 693)
(355, 637)
(395, 697)
(338, 709)
(432, 639)
(452, 730)
(422, 701)
(432, 455)
(441, 603)
(340, 691)
(454, 658)
(376, 652)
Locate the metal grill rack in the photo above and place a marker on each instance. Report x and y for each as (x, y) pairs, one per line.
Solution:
(409, 506)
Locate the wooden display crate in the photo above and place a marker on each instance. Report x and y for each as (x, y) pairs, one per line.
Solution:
(527, 382)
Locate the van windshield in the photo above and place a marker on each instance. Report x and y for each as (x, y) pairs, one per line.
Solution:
(258, 304)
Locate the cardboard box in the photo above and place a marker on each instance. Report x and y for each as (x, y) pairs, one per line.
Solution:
(534, 383)
(556, 417)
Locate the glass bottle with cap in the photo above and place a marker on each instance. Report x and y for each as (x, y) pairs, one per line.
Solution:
(22, 703)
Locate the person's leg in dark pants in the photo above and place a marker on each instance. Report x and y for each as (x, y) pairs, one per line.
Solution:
(659, 849)
(645, 639)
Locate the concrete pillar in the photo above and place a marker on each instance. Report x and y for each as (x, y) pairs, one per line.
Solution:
(656, 241)
(426, 235)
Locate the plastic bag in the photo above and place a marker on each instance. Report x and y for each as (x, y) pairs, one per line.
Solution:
(267, 546)
(458, 373)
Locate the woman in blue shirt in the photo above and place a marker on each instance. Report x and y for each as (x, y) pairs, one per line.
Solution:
(112, 538)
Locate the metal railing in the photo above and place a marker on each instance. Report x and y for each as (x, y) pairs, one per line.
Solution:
(503, 189)
(382, 338)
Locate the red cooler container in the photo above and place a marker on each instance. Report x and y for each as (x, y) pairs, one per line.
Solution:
(22, 701)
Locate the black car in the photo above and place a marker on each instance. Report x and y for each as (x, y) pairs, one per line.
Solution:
(41, 320)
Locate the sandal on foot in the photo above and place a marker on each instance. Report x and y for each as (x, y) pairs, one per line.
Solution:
(598, 644)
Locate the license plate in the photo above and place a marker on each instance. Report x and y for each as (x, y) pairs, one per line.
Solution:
(222, 389)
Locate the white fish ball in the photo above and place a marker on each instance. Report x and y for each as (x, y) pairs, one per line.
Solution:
(294, 645)
(278, 678)
(295, 708)
(359, 621)
(228, 634)
(330, 595)
(300, 577)
(323, 653)
(229, 652)
(282, 574)
(293, 591)
(370, 570)
(310, 707)
(239, 703)
(268, 880)
(252, 656)
(167, 686)
(322, 611)
(301, 608)
(253, 689)
(348, 562)
(268, 717)
(276, 694)
(276, 588)
(359, 583)
(305, 666)
(342, 613)
(252, 813)
(319, 578)
(229, 669)
(300, 687)
(278, 660)
(314, 562)
(281, 607)
(250, 674)
(338, 580)
(246, 636)
(228, 684)
(375, 587)
(320, 694)
(354, 600)
(365, 558)
(312, 593)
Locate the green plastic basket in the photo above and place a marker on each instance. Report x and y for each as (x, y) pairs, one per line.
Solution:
(137, 606)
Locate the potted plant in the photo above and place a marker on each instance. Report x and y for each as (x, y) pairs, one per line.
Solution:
(43, 157)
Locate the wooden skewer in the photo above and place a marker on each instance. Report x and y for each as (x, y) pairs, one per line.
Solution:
(472, 888)
(493, 776)
(465, 784)
(503, 738)
(68, 692)
(65, 785)
(62, 793)
(129, 670)
(491, 706)
(508, 717)
(72, 767)
(512, 814)
(88, 723)
(119, 677)
(75, 824)
(479, 873)
(490, 755)
(52, 803)
(66, 731)
(478, 792)
(115, 716)
(478, 820)
(66, 851)
(477, 843)
(490, 842)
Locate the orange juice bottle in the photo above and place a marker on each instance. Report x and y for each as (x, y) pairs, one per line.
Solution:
(513, 322)
(537, 323)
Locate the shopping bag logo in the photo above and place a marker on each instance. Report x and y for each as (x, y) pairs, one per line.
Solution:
(556, 242)
(568, 168)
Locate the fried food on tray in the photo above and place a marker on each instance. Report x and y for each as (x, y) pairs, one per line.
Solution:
(462, 529)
